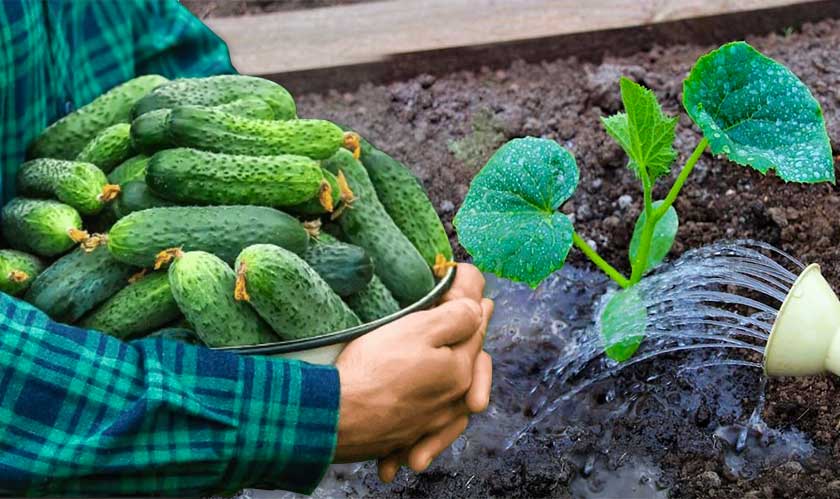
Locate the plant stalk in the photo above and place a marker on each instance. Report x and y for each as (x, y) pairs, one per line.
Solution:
(686, 171)
(602, 264)
(639, 264)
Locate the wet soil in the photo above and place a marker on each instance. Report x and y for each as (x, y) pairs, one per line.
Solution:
(445, 128)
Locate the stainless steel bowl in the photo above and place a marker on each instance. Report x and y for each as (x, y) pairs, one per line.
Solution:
(325, 348)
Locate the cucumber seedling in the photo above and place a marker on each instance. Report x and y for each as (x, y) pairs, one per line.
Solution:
(750, 109)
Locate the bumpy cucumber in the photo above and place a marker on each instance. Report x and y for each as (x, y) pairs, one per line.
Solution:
(190, 176)
(109, 148)
(406, 202)
(136, 196)
(221, 230)
(138, 308)
(327, 201)
(373, 302)
(345, 267)
(41, 226)
(77, 282)
(213, 130)
(203, 287)
(289, 295)
(150, 131)
(132, 169)
(397, 262)
(177, 334)
(18, 270)
(66, 138)
(78, 184)
(216, 90)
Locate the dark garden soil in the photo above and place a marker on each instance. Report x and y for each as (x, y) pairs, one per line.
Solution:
(445, 128)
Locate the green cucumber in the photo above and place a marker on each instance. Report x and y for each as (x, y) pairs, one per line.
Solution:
(203, 287)
(150, 131)
(289, 295)
(373, 302)
(324, 202)
(138, 308)
(66, 138)
(41, 226)
(214, 130)
(366, 223)
(109, 148)
(406, 201)
(221, 230)
(77, 282)
(194, 177)
(218, 90)
(132, 169)
(75, 183)
(184, 335)
(345, 267)
(18, 270)
(136, 196)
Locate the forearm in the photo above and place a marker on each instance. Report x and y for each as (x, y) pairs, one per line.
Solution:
(85, 414)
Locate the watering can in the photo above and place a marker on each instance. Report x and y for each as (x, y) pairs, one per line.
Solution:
(805, 339)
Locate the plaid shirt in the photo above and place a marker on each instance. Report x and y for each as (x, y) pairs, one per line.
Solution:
(82, 413)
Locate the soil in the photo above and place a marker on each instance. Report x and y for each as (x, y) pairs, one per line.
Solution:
(445, 128)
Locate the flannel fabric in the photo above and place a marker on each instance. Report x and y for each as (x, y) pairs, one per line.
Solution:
(58, 55)
(82, 413)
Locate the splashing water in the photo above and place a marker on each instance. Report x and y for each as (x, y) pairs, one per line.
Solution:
(558, 409)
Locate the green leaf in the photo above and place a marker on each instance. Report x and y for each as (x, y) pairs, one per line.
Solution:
(643, 131)
(509, 221)
(623, 323)
(758, 113)
(663, 236)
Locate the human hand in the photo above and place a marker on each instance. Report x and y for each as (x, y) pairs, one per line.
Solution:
(469, 283)
(409, 379)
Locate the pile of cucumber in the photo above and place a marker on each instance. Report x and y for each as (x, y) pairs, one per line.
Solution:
(205, 210)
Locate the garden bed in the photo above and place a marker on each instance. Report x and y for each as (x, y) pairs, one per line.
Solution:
(445, 128)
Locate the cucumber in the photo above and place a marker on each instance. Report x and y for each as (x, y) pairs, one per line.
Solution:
(373, 302)
(41, 226)
(406, 201)
(136, 196)
(216, 90)
(77, 282)
(132, 169)
(138, 308)
(17, 271)
(66, 138)
(327, 200)
(190, 176)
(203, 287)
(80, 185)
(397, 262)
(345, 267)
(150, 131)
(289, 295)
(109, 148)
(177, 334)
(213, 130)
(221, 230)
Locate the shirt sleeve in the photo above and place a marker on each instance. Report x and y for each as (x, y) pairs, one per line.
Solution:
(85, 414)
(172, 42)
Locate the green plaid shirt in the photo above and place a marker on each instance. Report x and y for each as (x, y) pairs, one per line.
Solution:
(82, 413)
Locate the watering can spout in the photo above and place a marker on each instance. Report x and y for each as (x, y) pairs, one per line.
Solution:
(805, 339)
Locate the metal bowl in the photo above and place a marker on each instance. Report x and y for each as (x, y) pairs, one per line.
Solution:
(324, 349)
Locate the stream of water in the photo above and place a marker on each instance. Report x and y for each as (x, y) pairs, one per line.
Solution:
(563, 413)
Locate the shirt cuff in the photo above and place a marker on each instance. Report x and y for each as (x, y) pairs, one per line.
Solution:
(290, 428)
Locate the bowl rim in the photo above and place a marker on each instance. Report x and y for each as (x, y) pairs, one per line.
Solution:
(345, 335)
